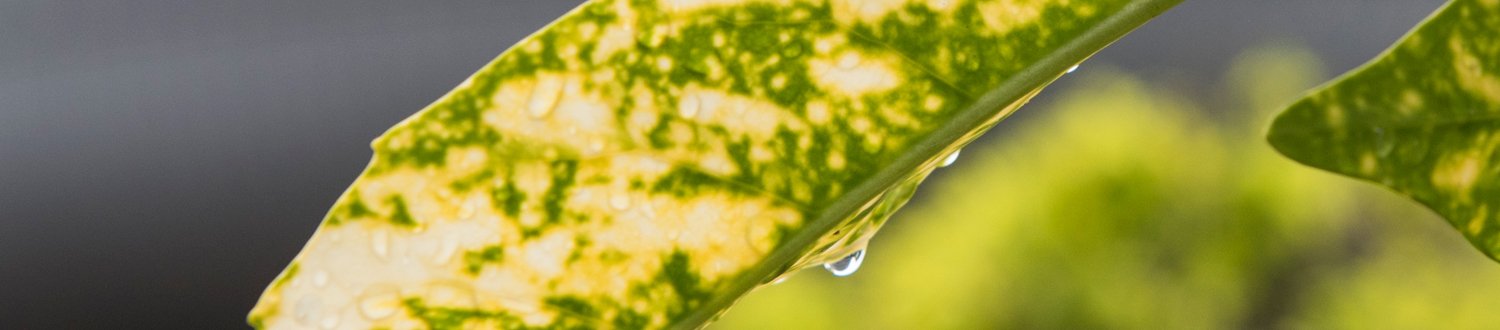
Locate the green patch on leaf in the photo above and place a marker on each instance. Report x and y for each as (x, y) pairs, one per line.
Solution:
(474, 261)
(643, 164)
(1422, 119)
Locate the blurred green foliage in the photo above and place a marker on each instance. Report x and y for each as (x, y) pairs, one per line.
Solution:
(1122, 205)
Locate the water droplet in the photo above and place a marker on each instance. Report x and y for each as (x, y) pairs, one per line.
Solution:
(380, 243)
(1073, 68)
(848, 61)
(379, 302)
(620, 201)
(953, 157)
(688, 107)
(544, 97)
(320, 279)
(846, 266)
(308, 310)
(330, 322)
(445, 252)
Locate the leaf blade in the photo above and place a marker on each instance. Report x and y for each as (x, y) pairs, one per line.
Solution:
(643, 164)
(1417, 120)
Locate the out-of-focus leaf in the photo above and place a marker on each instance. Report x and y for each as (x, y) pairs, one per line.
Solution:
(642, 164)
(1423, 119)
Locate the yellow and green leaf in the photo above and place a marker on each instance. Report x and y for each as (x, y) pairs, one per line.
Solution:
(644, 163)
(1422, 119)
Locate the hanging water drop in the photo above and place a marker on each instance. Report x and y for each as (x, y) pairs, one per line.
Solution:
(544, 97)
(953, 157)
(1073, 68)
(846, 266)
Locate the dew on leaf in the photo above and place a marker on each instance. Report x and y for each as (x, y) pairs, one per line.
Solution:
(320, 279)
(379, 302)
(953, 157)
(846, 266)
(380, 244)
(308, 310)
(445, 253)
(330, 322)
(544, 97)
(848, 61)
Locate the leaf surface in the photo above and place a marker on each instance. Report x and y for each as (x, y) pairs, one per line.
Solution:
(1422, 119)
(642, 164)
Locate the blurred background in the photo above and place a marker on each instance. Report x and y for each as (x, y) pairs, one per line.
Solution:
(161, 161)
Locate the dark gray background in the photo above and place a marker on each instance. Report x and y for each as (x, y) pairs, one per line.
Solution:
(161, 161)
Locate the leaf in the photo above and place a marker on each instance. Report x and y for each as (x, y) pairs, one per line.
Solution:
(643, 164)
(1422, 119)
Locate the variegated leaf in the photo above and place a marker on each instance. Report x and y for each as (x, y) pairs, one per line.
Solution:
(642, 164)
(1420, 119)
